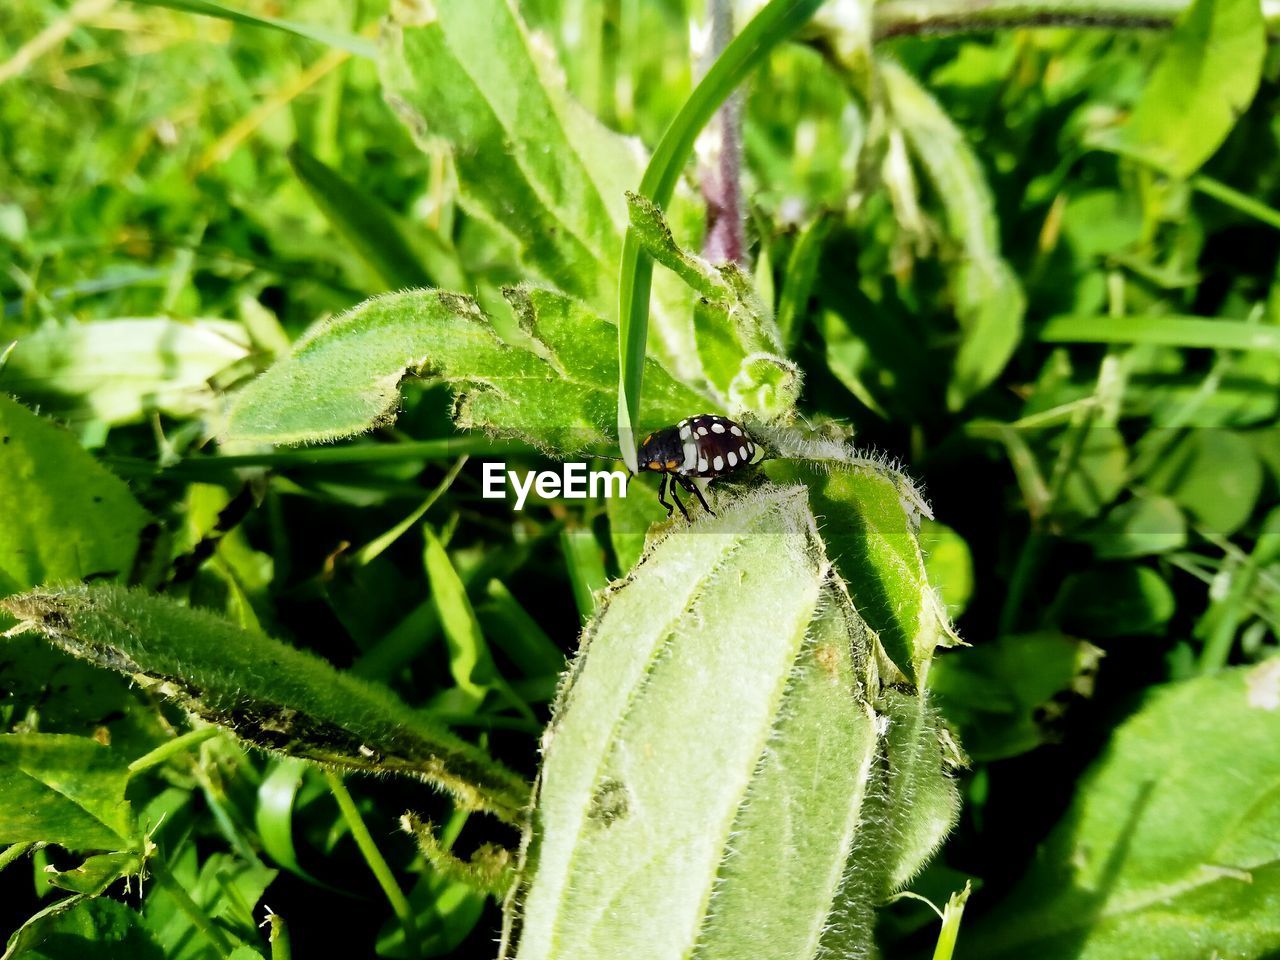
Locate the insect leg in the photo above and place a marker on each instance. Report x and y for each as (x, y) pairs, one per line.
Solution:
(662, 493)
(693, 488)
(676, 497)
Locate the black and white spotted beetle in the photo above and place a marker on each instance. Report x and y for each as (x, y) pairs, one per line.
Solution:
(702, 446)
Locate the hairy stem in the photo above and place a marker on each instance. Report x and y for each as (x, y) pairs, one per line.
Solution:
(898, 18)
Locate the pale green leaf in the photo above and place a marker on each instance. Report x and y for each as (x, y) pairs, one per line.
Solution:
(65, 517)
(989, 301)
(557, 391)
(119, 371)
(658, 789)
(225, 887)
(96, 873)
(268, 693)
(56, 788)
(1205, 79)
(1171, 847)
(356, 45)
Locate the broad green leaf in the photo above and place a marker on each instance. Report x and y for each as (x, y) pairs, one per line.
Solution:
(56, 788)
(1113, 600)
(1136, 528)
(368, 227)
(96, 874)
(1214, 475)
(657, 789)
(1004, 696)
(65, 517)
(869, 514)
(530, 161)
(1205, 79)
(1171, 847)
(989, 301)
(79, 927)
(556, 391)
(119, 371)
(1097, 471)
(269, 694)
(739, 346)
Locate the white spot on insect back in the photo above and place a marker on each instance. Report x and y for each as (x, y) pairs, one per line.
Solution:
(718, 463)
(685, 432)
(690, 456)
(702, 464)
(732, 458)
(744, 454)
(736, 430)
(702, 431)
(717, 427)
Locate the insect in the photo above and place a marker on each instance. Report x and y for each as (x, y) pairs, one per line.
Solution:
(702, 446)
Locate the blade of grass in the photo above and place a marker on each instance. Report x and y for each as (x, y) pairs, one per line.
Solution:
(172, 748)
(354, 45)
(585, 562)
(50, 37)
(951, 915)
(378, 544)
(13, 852)
(777, 21)
(1235, 199)
(1166, 331)
(373, 857)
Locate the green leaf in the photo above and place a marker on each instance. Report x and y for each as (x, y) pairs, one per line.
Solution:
(225, 888)
(65, 517)
(56, 788)
(630, 833)
(358, 46)
(1170, 846)
(1136, 528)
(1215, 475)
(948, 564)
(269, 694)
(557, 391)
(1205, 79)
(119, 371)
(1114, 600)
(369, 228)
(988, 297)
(870, 515)
(739, 346)
(530, 161)
(1004, 695)
(1168, 330)
(77, 927)
(96, 874)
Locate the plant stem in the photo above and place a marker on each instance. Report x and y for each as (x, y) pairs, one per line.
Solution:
(1237, 200)
(899, 18)
(722, 187)
(188, 906)
(13, 852)
(173, 747)
(373, 857)
(777, 21)
(281, 948)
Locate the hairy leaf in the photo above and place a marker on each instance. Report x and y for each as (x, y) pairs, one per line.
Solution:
(739, 345)
(118, 371)
(1171, 847)
(557, 390)
(268, 693)
(1205, 79)
(988, 298)
(79, 927)
(64, 516)
(61, 789)
(658, 790)
(869, 516)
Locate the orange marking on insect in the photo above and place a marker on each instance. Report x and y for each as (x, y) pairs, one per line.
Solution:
(672, 464)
